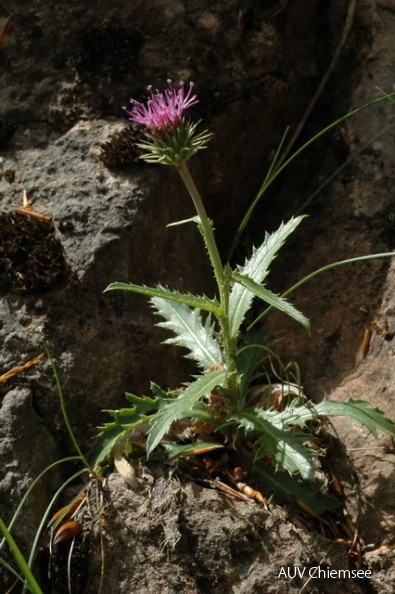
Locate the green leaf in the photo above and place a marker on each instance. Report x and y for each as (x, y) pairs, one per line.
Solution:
(109, 436)
(271, 298)
(211, 305)
(283, 445)
(158, 392)
(289, 487)
(357, 410)
(175, 410)
(256, 268)
(142, 404)
(125, 421)
(190, 332)
(194, 219)
(290, 452)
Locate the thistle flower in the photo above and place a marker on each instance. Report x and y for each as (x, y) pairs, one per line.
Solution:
(170, 138)
(163, 110)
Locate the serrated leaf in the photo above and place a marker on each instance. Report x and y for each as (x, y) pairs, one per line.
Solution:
(200, 302)
(271, 298)
(175, 410)
(109, 436)
(142, 404)
(159, 392)
(190, 332)
(256, 268)
(288, 487)
(283, 445)
(357, 410)
(125, 420)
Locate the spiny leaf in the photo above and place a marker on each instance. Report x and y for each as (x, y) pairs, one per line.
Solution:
(357, 410)
(201, 302)
(360, 411)
(190, 333)
(256, 268)
(108, 437)
(125, 420)
(159, 392)
(142, 404)
(290, 488)
(283, 445)
(175, 411)
(271, 298)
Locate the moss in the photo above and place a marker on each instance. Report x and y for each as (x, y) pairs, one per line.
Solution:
(121, 150)
(31, 257)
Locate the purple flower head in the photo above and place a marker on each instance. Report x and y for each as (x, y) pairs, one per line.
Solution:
(163, 111)
(170, 139)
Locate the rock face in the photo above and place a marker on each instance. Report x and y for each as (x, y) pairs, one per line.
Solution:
(66, 71)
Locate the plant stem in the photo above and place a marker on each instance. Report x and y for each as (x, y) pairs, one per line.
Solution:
(222, 276)
(206, 225)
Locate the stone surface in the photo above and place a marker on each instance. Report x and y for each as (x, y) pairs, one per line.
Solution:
(232, 546)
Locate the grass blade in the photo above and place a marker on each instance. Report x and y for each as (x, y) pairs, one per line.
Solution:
(23, 566)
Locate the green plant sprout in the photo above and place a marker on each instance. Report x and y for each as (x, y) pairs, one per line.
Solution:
(272, 436)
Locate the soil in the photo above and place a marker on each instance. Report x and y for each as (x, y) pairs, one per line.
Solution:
(67, 69)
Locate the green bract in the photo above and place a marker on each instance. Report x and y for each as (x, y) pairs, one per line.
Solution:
(174, 146)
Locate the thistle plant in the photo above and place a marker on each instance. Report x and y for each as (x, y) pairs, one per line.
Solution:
(271, 434)
(231, 406)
